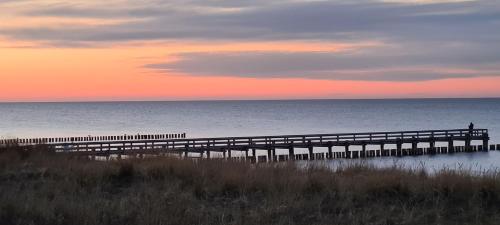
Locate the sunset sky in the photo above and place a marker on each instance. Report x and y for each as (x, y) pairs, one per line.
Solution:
(89, 50)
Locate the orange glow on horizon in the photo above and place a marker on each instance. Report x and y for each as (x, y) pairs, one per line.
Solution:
(118, 73)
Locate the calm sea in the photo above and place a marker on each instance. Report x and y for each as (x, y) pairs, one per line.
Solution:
(241, 118)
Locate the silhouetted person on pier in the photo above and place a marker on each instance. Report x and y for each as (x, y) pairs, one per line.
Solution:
(471, 128)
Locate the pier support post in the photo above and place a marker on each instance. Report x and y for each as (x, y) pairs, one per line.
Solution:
(451, 147)
(414, 148)
(224, 154)
(254, 153)
(208, 150)
(432, 147)
(485, 143)
(363, 151)
(330, 151)
(310, 148)
(269, 155)
(311, 153)
(467, 143)
(382, 150)
(347, 152)
(186, 151)
(229, 153)
(399, 150)
(291, 154)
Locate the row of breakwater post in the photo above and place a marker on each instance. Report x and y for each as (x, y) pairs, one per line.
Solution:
(56, 140)
(315, 146)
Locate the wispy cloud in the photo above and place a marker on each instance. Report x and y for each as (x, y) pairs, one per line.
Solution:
(388, 66)
(282, 20)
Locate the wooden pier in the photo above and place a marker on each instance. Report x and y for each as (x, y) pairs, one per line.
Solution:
(265, 148)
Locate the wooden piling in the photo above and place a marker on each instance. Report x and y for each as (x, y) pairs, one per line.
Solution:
(485, 143)
(186, 150)
(432, 147)
(330, 151)
(291, 152)
(467, 143)
(451, 146)
(310, 148)
(399, 151)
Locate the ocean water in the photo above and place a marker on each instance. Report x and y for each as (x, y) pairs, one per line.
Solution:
(242, 118)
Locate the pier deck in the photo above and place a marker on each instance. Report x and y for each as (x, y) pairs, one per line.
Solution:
(456, 140)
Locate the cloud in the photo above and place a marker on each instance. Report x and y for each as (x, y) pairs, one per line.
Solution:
(423, 40)
(388, 66)
(275, 20)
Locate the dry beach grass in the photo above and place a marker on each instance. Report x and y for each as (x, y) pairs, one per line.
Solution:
(37, 187)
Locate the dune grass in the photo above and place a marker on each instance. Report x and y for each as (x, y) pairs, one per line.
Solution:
(40, 188)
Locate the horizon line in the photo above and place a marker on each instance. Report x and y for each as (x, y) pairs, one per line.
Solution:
(235, 100)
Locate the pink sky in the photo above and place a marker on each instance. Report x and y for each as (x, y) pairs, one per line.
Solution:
(40, 59)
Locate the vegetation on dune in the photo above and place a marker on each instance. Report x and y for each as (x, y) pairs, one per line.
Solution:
(41, 188)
